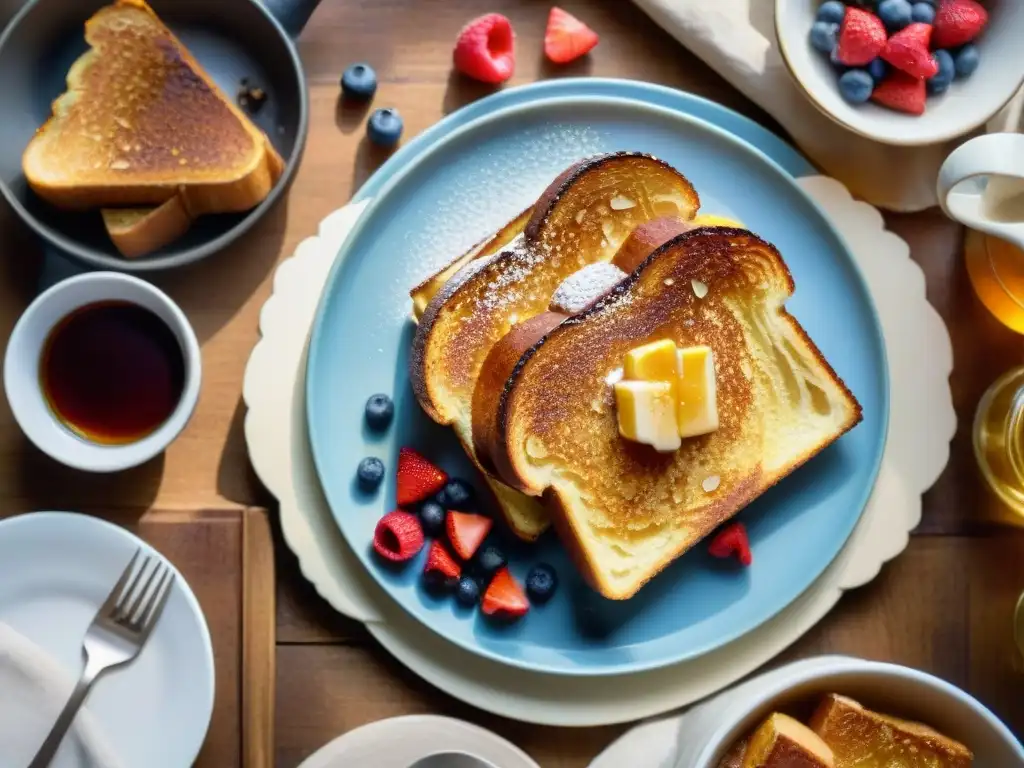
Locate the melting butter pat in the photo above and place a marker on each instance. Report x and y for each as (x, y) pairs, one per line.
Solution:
(711, 220)
(647, 413)
(695, 391)
(652, 362)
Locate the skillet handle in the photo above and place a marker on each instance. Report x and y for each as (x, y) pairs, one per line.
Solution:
(291, 14)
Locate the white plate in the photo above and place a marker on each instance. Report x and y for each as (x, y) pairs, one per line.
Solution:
(401, 741)
(922, 423)
(56, 568)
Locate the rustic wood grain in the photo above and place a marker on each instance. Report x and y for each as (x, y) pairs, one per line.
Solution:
(259, 657)
(942, 606)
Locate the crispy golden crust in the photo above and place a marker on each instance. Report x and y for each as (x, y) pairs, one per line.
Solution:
(557, 399)
(141, 122)
(137, 232)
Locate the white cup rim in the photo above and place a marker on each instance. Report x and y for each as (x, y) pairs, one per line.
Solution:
(24, 391)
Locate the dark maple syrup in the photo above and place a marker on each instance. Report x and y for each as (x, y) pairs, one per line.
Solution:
(112, 372)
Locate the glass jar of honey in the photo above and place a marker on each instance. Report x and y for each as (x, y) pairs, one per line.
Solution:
(999, 438)
(996, 270)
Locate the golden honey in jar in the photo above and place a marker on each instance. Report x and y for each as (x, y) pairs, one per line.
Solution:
(996, 270)
(999, 438)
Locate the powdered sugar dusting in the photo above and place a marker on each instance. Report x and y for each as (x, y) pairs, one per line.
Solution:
(583, 288)
(492, 184)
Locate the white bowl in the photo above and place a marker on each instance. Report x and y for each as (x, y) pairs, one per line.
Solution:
(21, 371)
(965, 106)
(707, 732)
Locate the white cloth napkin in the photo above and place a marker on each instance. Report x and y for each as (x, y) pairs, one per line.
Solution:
(737, 39)
(33, 690)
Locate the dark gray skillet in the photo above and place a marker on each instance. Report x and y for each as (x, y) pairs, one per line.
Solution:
(232, 39)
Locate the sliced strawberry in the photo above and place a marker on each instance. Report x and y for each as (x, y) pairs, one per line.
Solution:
(567, 38)
(907, 50)
(441, 569)
(504, 597)
(485, 49)
(467, 532)
(417, 478)
(957, 22)
(398, 536)
(732, 541)
(901, 92)
(861, 38)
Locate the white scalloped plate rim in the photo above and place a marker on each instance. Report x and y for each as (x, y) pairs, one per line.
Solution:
(922, 423)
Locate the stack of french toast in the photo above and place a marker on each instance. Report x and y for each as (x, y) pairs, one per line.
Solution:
(143, 135)
(621, 373)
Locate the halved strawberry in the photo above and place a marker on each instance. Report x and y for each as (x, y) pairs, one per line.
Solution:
(398, 536)
(861, 38)
(467, 532)
(732, 540)
(441, 569)
(907, 50)
(485, 49)
(567, 38)
(901, 92)
(417, 478)
(957, 22)
(504, 597)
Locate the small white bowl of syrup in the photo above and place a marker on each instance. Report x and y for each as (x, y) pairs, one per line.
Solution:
(102, 371)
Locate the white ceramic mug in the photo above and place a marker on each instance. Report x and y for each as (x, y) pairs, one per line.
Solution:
(22, 379)
(981, 185)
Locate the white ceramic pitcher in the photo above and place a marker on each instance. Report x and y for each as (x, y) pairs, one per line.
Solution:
(981, 185)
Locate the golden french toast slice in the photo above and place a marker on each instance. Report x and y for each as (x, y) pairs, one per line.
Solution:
(582, 218)
(782, 742)
(623, 509)
(141, 122)
(860, 738)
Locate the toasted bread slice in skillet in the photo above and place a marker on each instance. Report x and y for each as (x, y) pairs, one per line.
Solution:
(138, 231)
(141, 122)
(582, 218)
(624, 510)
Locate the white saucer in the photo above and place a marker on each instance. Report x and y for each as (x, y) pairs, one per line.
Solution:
(922, 422)
(401, 741)
(56, 568)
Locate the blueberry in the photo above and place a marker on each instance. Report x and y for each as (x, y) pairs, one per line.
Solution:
(379, 411)
(384, 127)
(370, 472)
(456, 494)
(941, 80)
(832, 12)
(834, 58)
(432, 517)
(468, 591)
(967, 59)
(824, 35)
(856, 85)
(878, 69)
(489, 561)
(359, 82)
(541, 583)
(922, 13)
(895, 14)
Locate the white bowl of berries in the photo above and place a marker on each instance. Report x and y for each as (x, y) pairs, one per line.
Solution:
(907, 72)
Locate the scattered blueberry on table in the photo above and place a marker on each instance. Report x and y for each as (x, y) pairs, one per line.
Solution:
(384, 127)
(456, 494)
(380, 410)
(370, 472)
(541, 583)
(359, 82)
(432, 516)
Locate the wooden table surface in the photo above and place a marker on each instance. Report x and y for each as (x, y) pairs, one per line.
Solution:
(944, 606)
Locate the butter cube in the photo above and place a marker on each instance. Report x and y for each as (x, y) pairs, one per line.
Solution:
(652, 362)
(646, 414)
(696, 392)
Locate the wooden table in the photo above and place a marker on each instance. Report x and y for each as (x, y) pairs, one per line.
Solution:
(943, 606)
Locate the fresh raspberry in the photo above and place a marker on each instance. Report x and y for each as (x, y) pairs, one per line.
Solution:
(398, 536)
(957, 22)
(861, 38)
(567, 38)
(901, 92)
(732, 541)
(907, 50)
(485, 49)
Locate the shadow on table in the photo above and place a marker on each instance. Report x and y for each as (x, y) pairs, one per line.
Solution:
(462, 90)
(369, 157)
(350, 114)
(236, 478)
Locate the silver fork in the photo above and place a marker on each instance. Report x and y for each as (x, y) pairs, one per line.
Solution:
(116, 635)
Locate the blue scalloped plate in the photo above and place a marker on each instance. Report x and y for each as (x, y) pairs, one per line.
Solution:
(459, 181)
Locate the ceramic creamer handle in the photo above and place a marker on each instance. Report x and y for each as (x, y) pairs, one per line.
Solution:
(999, 157)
